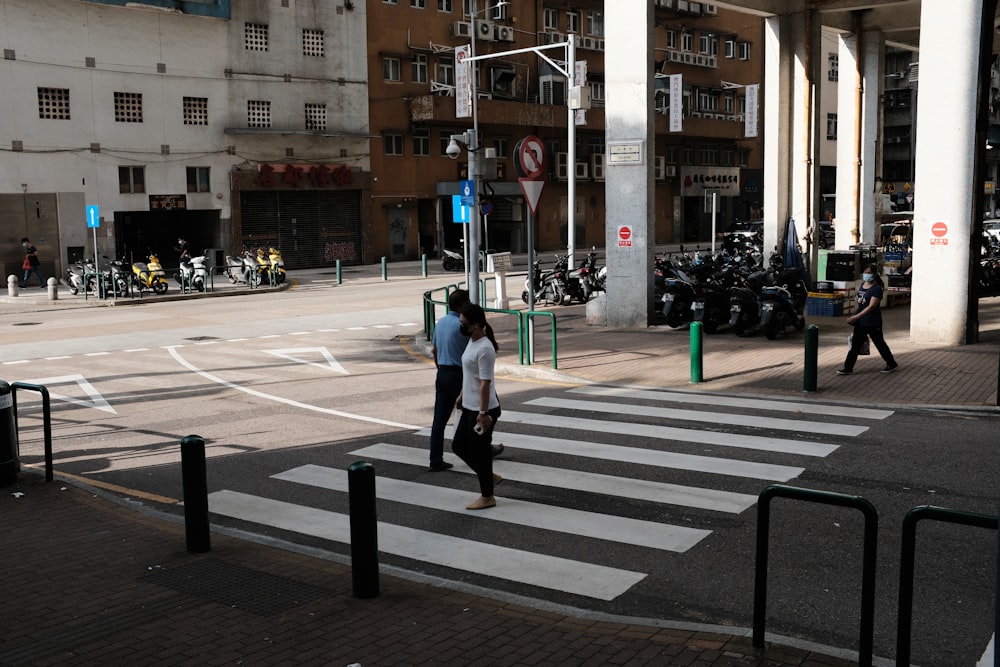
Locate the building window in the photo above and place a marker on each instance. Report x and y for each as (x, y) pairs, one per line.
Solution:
(390, 2)
(196, 111)
(730, 48)
(498, 12)
(710, 154)
(595, 22)
(745, 157)
(727, 104)
(503, 148)
(727, 157)
(131, 179)
(128, 107)
(671, 39)
(833, 71)
(446, 72)
(573, 21)
(258, 113)
(419, 4)
(197, 178)
(744, 50)
(393, 144)
(255, 36)
(597, 91)
(831, 126)
(390, 69)
(688, 152)
(313, 43)
(53, 103)
(708, 44)
(550, 19)
(672, 154)
(315, 116)
(418, 68)
(707, 101)
(421, 141)
(445, 6)
(687, 41)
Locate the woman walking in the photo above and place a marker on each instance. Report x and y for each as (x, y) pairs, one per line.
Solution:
(478, 403)
(868, 323)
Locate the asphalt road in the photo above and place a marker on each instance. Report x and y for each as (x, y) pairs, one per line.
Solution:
(606, 505)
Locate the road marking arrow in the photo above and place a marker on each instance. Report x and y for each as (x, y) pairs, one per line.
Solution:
(97, 400)
(293, 352)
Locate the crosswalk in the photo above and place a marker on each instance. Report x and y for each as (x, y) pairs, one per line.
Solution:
(641, 442)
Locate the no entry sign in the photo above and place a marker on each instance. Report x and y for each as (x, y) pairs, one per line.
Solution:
(939, 232)
(624, 236)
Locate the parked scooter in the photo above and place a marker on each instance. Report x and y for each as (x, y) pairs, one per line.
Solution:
(150, 275)
(581, 282)
(277, 264)
(453, 260)
(75, 277)
(782, 304)
(242, 269)
(549, 286)
(193, 273)
(118, 277)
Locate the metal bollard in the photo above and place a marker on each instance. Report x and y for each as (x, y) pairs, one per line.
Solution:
(13, 285)
(696, 355)
(423, 265)
(385, 270)
(53, 289)
(812, 351)
(9, 461)
(195, 482)
(338, 273)
(364, 529)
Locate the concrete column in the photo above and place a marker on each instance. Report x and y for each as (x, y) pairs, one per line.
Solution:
(776, 104)
(945, 169)
(628, 61)
(857, 136)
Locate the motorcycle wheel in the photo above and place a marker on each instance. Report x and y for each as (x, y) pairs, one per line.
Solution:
(710, 326)
(800, 324)
(232, 278)
(524, 296)
(771, 331)
(451, 264)
(160, 287)
(674, 320)
(121, 287)
(74, 291)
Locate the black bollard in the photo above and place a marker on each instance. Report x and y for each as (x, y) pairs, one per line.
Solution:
(364, 529)
(195, 482)
(9, 462)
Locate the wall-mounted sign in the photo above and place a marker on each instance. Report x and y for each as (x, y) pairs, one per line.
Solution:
(167, 202)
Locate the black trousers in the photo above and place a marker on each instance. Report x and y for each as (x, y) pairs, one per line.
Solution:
(878, 340)
(476, 450)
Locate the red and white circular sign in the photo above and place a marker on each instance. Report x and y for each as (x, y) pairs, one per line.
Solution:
(624, 236)
(939, 229)
(530, 158)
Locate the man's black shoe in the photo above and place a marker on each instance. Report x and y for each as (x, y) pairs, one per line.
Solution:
(844, 371)
(497, 449)
(890, 368)
(438, 467)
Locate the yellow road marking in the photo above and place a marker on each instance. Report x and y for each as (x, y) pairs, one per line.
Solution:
(135, 493)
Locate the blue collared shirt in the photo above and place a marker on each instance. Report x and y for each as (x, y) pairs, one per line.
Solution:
(449, 341)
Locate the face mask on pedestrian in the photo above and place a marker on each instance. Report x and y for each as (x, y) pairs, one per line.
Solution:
(868, 277)
(464, 330)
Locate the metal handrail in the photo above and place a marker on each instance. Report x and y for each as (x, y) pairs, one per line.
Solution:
(907, 557)
(46, 419)
(528, 315)
(865, 642)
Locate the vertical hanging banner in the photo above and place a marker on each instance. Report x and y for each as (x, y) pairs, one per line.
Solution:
(753, 90)
(676, 103)
(463, 91)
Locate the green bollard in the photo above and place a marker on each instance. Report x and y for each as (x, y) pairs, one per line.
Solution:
(423, 265)
(812, 351)
(364, 529)
(385, 270)
(338, 272)
(696, 340)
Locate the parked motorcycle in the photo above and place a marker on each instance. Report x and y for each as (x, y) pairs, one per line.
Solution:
(118, 277)
(678, 295)
(711, 296)
(193, 273)
(744, 302)
(454, 260)
(549, 286)
(581, 282)
(782, 304)
(242, 269)
(277, 264)
(150, 275)
(75, 276)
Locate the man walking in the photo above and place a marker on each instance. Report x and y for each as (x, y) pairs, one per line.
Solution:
(447, 347)
(30, 264)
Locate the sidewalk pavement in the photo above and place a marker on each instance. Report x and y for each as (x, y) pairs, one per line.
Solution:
(91, 579)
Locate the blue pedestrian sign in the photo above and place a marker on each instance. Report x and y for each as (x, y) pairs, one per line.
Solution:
(93, 217)
(459, 212)
(468, 192)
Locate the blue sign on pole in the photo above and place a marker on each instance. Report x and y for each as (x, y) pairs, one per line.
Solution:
(93, 217)
(468, 192)
(459, 212)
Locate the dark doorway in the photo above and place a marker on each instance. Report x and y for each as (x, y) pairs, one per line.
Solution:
(141, 233)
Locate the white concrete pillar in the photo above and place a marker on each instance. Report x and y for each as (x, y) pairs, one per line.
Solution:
(945, 169)
(857, 136)
(628, 61)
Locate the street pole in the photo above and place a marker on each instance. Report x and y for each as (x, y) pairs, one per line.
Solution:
(570, 154)
(472, 145)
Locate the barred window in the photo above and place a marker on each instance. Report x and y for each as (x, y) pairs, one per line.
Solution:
(313, 43)
(128, 107)
(255, 36)
(197, 179)
(258, 113)
(315, 116)
(53, 103)
(196, 111)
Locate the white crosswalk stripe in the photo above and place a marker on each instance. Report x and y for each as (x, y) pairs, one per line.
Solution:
(595, 413)
(573, 576)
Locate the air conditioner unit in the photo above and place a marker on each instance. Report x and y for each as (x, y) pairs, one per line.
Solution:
(485, 30)
(661, 4)
(551, 89)
(711, 61)
(688, 58)
(597, 166)
(586, 43)
(682, 5)
(659, 167)
(699, 60)
(599, 45)
(582, 170)
(504, 33)
(676, 56)
(694, 7)
(553, 37)
(562, 166)
(461, 29)
(710, 9)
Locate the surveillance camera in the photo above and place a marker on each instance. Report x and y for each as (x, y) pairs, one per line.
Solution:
(453, 150)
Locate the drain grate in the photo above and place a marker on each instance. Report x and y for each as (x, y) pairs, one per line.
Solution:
(237, 586)
(25, 324)
(197, 338)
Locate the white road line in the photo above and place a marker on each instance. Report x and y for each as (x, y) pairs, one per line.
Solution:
(300, 333)
(624, 530)
(382, 326)
(621, 487)
(987, 658)
(783, 446)
(96, 354)
(407, 324)
(648, 457)
(236, 340)
(807, 409)
(576, 577)
(356, 328)
(729, 419)
(137, 349)
(207, 342)
(270, 336)
(18, 361)
(66, 356)
(329, 330)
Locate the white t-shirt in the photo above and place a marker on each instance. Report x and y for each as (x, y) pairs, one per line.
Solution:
(477, 365)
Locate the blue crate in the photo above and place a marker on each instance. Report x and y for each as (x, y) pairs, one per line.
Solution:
(824, 307)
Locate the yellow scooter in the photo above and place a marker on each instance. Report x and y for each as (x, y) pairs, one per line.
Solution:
(150, 275)
(271, 266)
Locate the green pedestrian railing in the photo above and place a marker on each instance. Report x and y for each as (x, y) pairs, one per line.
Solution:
(866, 640)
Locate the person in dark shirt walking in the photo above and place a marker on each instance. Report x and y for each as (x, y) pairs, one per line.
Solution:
(868, 323)
(30, 264)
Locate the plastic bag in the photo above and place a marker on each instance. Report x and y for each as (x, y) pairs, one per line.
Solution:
(866, 348)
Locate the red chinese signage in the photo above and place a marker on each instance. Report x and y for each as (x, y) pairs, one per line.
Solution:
(297, 175)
